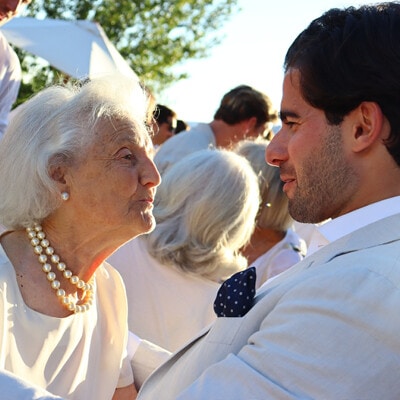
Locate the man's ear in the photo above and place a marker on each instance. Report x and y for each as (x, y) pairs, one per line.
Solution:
(249, 124)
(252, 123)
(368, 126)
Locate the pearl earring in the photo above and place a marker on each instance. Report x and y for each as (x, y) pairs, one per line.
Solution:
(65, 196)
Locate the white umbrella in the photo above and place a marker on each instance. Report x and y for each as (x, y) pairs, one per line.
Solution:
(78, 48)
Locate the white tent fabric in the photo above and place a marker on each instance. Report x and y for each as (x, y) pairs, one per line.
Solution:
(78, 48)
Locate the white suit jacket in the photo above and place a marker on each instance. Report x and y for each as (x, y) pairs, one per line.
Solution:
(328, 328)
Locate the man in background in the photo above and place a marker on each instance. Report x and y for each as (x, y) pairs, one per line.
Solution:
(164, 124)
(243, 112)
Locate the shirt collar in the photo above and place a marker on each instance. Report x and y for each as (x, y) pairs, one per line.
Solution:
(336, 228)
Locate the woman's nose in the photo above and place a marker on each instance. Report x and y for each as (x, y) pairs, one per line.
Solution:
(151, 176)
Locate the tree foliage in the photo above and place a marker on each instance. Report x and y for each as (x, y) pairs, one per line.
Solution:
(152, 35)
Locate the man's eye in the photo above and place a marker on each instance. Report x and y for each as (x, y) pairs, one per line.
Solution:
(289, 123)
(128, 157)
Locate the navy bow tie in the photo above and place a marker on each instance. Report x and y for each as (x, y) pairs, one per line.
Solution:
(235, 296)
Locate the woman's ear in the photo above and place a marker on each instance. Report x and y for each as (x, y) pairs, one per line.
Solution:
(368, 126)
(57, 170)
(57, 174)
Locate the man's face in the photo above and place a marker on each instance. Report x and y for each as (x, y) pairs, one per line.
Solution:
(311, 154)
(164, 131)
(9, 8)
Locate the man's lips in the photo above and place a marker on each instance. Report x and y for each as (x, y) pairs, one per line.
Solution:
(287, 182)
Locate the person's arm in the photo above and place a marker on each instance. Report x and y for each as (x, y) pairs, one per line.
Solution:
(125, 393)
(13, 387)
(145, 357)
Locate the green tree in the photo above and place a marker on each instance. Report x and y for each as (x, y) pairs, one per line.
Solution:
(152, 35)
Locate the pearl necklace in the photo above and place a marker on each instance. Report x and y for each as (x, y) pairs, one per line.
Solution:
(39, 242)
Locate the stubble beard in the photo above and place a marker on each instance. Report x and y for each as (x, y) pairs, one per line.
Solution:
(326, 179)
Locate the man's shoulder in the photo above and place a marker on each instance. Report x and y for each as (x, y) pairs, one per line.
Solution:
(200, 133)
(198, 138)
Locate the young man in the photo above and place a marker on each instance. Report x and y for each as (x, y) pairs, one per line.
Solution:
(328, 328)
(243, 112)
(164, 124)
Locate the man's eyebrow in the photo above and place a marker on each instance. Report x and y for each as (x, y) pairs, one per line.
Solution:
(283, 115)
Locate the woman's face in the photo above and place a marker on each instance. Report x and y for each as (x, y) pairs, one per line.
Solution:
(113, 185)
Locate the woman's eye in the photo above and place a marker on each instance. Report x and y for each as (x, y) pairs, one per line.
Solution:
(125, 154)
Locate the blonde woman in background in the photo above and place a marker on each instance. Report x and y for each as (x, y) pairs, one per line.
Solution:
(274, 246)
(205, 210)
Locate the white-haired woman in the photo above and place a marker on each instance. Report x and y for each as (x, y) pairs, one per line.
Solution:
(205, 209)
(77, 181)
(274, 246)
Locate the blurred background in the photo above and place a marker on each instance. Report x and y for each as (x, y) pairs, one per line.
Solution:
(188, 52)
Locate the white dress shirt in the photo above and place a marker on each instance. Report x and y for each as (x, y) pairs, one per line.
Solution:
(341, 226)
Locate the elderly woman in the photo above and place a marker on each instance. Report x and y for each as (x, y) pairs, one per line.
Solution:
(205, 209)
(274, 246)
(77, 181)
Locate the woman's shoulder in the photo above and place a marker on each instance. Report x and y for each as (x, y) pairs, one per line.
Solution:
(5, 263)
(107, 274)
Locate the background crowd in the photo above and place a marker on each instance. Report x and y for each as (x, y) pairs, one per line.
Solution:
(120, 223)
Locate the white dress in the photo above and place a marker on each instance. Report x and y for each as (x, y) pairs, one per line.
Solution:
(166, 306)
(81, 356)
(289, 251)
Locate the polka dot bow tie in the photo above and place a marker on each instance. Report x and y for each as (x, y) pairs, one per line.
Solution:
(236, 294)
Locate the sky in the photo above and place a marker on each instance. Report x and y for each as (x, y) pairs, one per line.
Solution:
(254, 44)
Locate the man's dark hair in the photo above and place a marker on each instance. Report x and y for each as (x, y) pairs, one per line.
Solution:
(163, 113)
(243, 102)
(348, 56)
